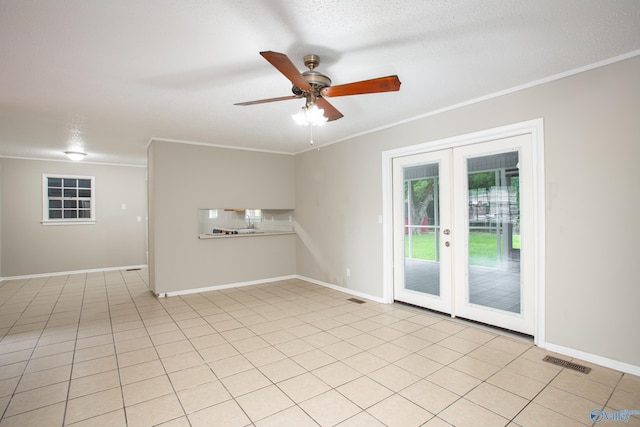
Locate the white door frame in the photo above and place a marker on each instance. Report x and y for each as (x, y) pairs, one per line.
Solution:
(533, 127)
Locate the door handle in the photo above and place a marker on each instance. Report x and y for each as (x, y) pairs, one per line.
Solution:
(446, 232)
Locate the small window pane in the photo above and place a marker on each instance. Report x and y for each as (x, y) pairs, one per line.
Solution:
(55, 203)
(70, 204)
(55, 214)
(70, 214)
(84, 204)
(54, 182)
(68, 183)
(55, 192)
(70, 192)
(84, 214)
(84, 193)
(84, 183)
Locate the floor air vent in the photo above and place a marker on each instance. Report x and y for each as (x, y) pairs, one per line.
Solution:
(567, 364)
(356, 300)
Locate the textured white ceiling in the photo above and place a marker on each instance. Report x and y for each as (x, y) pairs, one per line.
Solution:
(109, 75)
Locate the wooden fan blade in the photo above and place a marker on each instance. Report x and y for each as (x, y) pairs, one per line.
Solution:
(381, 84)
(286, 67)
(330, 112)
(264, 101)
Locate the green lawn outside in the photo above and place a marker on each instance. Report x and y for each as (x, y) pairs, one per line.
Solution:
(482, 247)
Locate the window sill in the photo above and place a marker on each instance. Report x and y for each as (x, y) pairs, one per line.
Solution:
(87, 222)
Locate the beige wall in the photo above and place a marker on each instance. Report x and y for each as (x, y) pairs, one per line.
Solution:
(592, 149)
(0, 218)
(116, 240)
(184, 178)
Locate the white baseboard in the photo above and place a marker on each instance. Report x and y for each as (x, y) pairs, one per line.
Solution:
(594, 358)
(219, 287)
(341, 289)
(269, 280)
(65, 273)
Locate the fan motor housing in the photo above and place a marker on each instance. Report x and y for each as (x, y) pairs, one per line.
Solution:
(316, 80)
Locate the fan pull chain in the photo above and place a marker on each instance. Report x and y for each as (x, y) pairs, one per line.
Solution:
(312, 142)
(311, 127)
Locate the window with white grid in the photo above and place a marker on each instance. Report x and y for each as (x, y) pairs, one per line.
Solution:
(68, 199)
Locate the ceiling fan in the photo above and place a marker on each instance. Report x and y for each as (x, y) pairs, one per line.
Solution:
(315, 87)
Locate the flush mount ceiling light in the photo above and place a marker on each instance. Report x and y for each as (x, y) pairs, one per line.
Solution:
(75, 155)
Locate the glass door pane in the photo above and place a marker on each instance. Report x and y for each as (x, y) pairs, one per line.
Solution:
(421, 236)
(494, 231)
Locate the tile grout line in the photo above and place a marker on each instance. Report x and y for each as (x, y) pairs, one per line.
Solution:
(84, 291)
(124, 405)
(536, 395)
(236, 304)
(115, 350)
(35, 346)
(2, 416)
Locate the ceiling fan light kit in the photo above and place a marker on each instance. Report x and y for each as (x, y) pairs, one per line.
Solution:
(315, 87)
(310, 115)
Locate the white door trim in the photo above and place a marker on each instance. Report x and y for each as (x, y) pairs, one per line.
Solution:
(536, 129)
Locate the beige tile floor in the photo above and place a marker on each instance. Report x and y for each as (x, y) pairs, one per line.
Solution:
(100, 350)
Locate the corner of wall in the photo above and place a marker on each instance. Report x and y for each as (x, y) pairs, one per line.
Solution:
(1, 161)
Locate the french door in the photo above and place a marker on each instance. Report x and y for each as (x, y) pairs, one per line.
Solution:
(463, 231)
